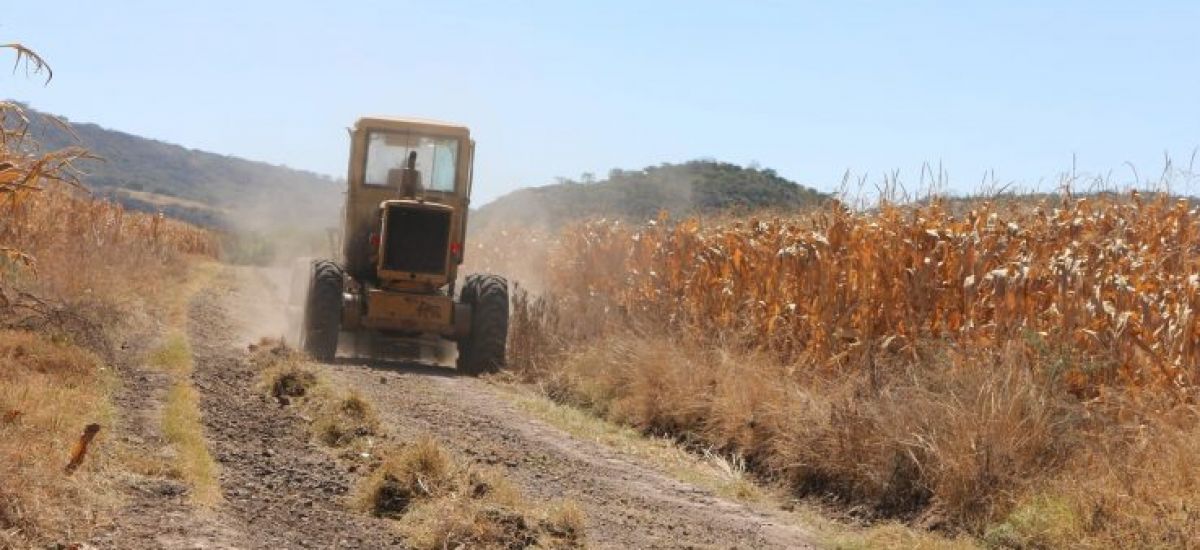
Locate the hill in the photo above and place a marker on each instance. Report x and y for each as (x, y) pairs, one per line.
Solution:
(695, 187)
(276, 201)
(198, 186)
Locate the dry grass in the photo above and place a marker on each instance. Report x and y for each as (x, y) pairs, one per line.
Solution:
(74, 265)
(65, 255)
(76, 295)
(986, 372)
(885, 534)
(1132, 484)
(337, 418)
(181, 420)
(345, 419)
(77, 276)
(173, 355)
(421, 470)
(942, 439)
(441, 504)
(728, 476)
(49, 391)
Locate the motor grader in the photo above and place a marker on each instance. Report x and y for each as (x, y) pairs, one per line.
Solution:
(403, 238)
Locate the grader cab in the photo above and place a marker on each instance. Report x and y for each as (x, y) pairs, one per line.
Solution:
(402, 240)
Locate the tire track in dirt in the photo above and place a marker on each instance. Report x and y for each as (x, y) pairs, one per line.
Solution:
(280, 490)
(156, 512)
(629, 504)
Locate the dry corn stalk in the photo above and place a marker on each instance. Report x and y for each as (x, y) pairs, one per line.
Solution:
(1111, 281)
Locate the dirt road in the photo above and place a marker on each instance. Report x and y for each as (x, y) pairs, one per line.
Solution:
(279, 490)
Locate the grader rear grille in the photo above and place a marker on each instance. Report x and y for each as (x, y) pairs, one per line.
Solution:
(417, 240)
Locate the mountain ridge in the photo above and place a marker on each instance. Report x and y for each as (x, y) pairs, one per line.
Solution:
(199, 186)
(697, 187)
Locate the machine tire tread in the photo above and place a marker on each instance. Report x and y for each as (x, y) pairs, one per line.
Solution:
(484, 350)
(323, 314)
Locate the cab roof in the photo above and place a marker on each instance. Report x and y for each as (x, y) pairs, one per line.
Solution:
(417, 124)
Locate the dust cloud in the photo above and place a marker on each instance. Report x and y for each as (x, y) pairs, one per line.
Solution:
(516, 235)
(271, 240)
(261, 306)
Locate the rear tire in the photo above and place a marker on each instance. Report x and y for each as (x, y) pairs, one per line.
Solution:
(483, 350)
(323, 314)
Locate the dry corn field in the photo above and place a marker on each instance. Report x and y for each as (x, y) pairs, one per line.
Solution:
(50, 227)
(1117, 281)
(965, 366)
(53, 229)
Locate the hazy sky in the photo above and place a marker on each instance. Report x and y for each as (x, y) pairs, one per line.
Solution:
(559, 88)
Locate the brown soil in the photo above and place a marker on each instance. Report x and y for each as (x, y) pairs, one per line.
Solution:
(279, 490)
(156, 512)
(282, 491)
(628, 504)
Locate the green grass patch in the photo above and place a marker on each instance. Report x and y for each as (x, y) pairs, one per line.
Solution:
(1040, 522)
(183, 428)
(174, 355)
(181, 421)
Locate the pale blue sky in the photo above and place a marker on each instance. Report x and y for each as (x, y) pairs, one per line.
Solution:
(559, 88)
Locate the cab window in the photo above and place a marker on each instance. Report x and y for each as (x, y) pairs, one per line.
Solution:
(437, 158)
